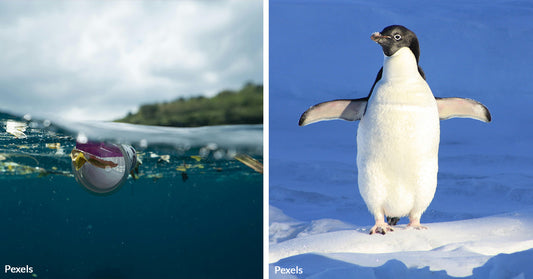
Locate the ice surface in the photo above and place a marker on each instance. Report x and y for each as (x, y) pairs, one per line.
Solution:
(480, 219)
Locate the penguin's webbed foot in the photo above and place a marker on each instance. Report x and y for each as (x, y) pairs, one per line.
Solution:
(381, 228)
(415, 224)
(417, 227)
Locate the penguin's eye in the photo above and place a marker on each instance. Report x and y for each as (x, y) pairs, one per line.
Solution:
(397, 37)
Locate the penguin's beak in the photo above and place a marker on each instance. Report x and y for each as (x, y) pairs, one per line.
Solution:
(378, 38)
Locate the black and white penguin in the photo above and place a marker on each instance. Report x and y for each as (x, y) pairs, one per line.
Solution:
(399, 132)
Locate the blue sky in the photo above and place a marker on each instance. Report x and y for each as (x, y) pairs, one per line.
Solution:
(98, 60)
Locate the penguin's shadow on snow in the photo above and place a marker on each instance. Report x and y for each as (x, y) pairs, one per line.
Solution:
(318, 266)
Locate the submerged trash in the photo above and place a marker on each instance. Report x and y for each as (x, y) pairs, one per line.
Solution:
(102, 168)
(13, 168)
(165, 158)
(250, 162)
(79, 159)
(161, 158)
(182, 168)
(197, 158)
(55, 145)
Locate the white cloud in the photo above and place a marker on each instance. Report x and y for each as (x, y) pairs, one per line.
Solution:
(107, 57)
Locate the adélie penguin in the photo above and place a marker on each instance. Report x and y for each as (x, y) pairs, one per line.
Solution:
(398, 135)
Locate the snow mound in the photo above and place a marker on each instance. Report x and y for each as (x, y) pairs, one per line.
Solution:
(457, 247)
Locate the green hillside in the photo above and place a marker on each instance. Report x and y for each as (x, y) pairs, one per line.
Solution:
(227, 107)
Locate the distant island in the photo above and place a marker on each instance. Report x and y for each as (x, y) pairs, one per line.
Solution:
(244, 106)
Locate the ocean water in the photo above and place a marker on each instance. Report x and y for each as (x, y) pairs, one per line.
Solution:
(194, 214)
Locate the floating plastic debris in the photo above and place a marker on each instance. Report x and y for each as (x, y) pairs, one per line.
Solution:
(13, 168)
(56, 145)
(4, 157)
(79, 159)
(250, 162)
(102, 168)
(155, 177)
(182, 168)
(197, 158)
(16, 128)
(161, 158)
(165, 158)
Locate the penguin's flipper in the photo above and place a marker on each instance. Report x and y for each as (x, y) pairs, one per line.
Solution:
(463, 108)
(347, 109)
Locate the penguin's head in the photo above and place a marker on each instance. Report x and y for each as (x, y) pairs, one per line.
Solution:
(394, 37)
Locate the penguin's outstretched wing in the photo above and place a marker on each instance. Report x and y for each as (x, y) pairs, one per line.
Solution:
(348, 109)
(354, 109)
(463, 108)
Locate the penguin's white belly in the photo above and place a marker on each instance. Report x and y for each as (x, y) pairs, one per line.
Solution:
(397, 149)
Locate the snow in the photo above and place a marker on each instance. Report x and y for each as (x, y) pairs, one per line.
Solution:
(457, 246)
(480, 221)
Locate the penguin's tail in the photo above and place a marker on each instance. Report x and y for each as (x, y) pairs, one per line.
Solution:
(392, 221)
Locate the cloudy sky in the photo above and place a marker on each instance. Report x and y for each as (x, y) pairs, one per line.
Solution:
(98, 60)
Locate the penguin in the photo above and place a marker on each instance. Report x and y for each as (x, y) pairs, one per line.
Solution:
(399, 132)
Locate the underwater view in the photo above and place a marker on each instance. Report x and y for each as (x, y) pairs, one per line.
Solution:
(182, 202)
